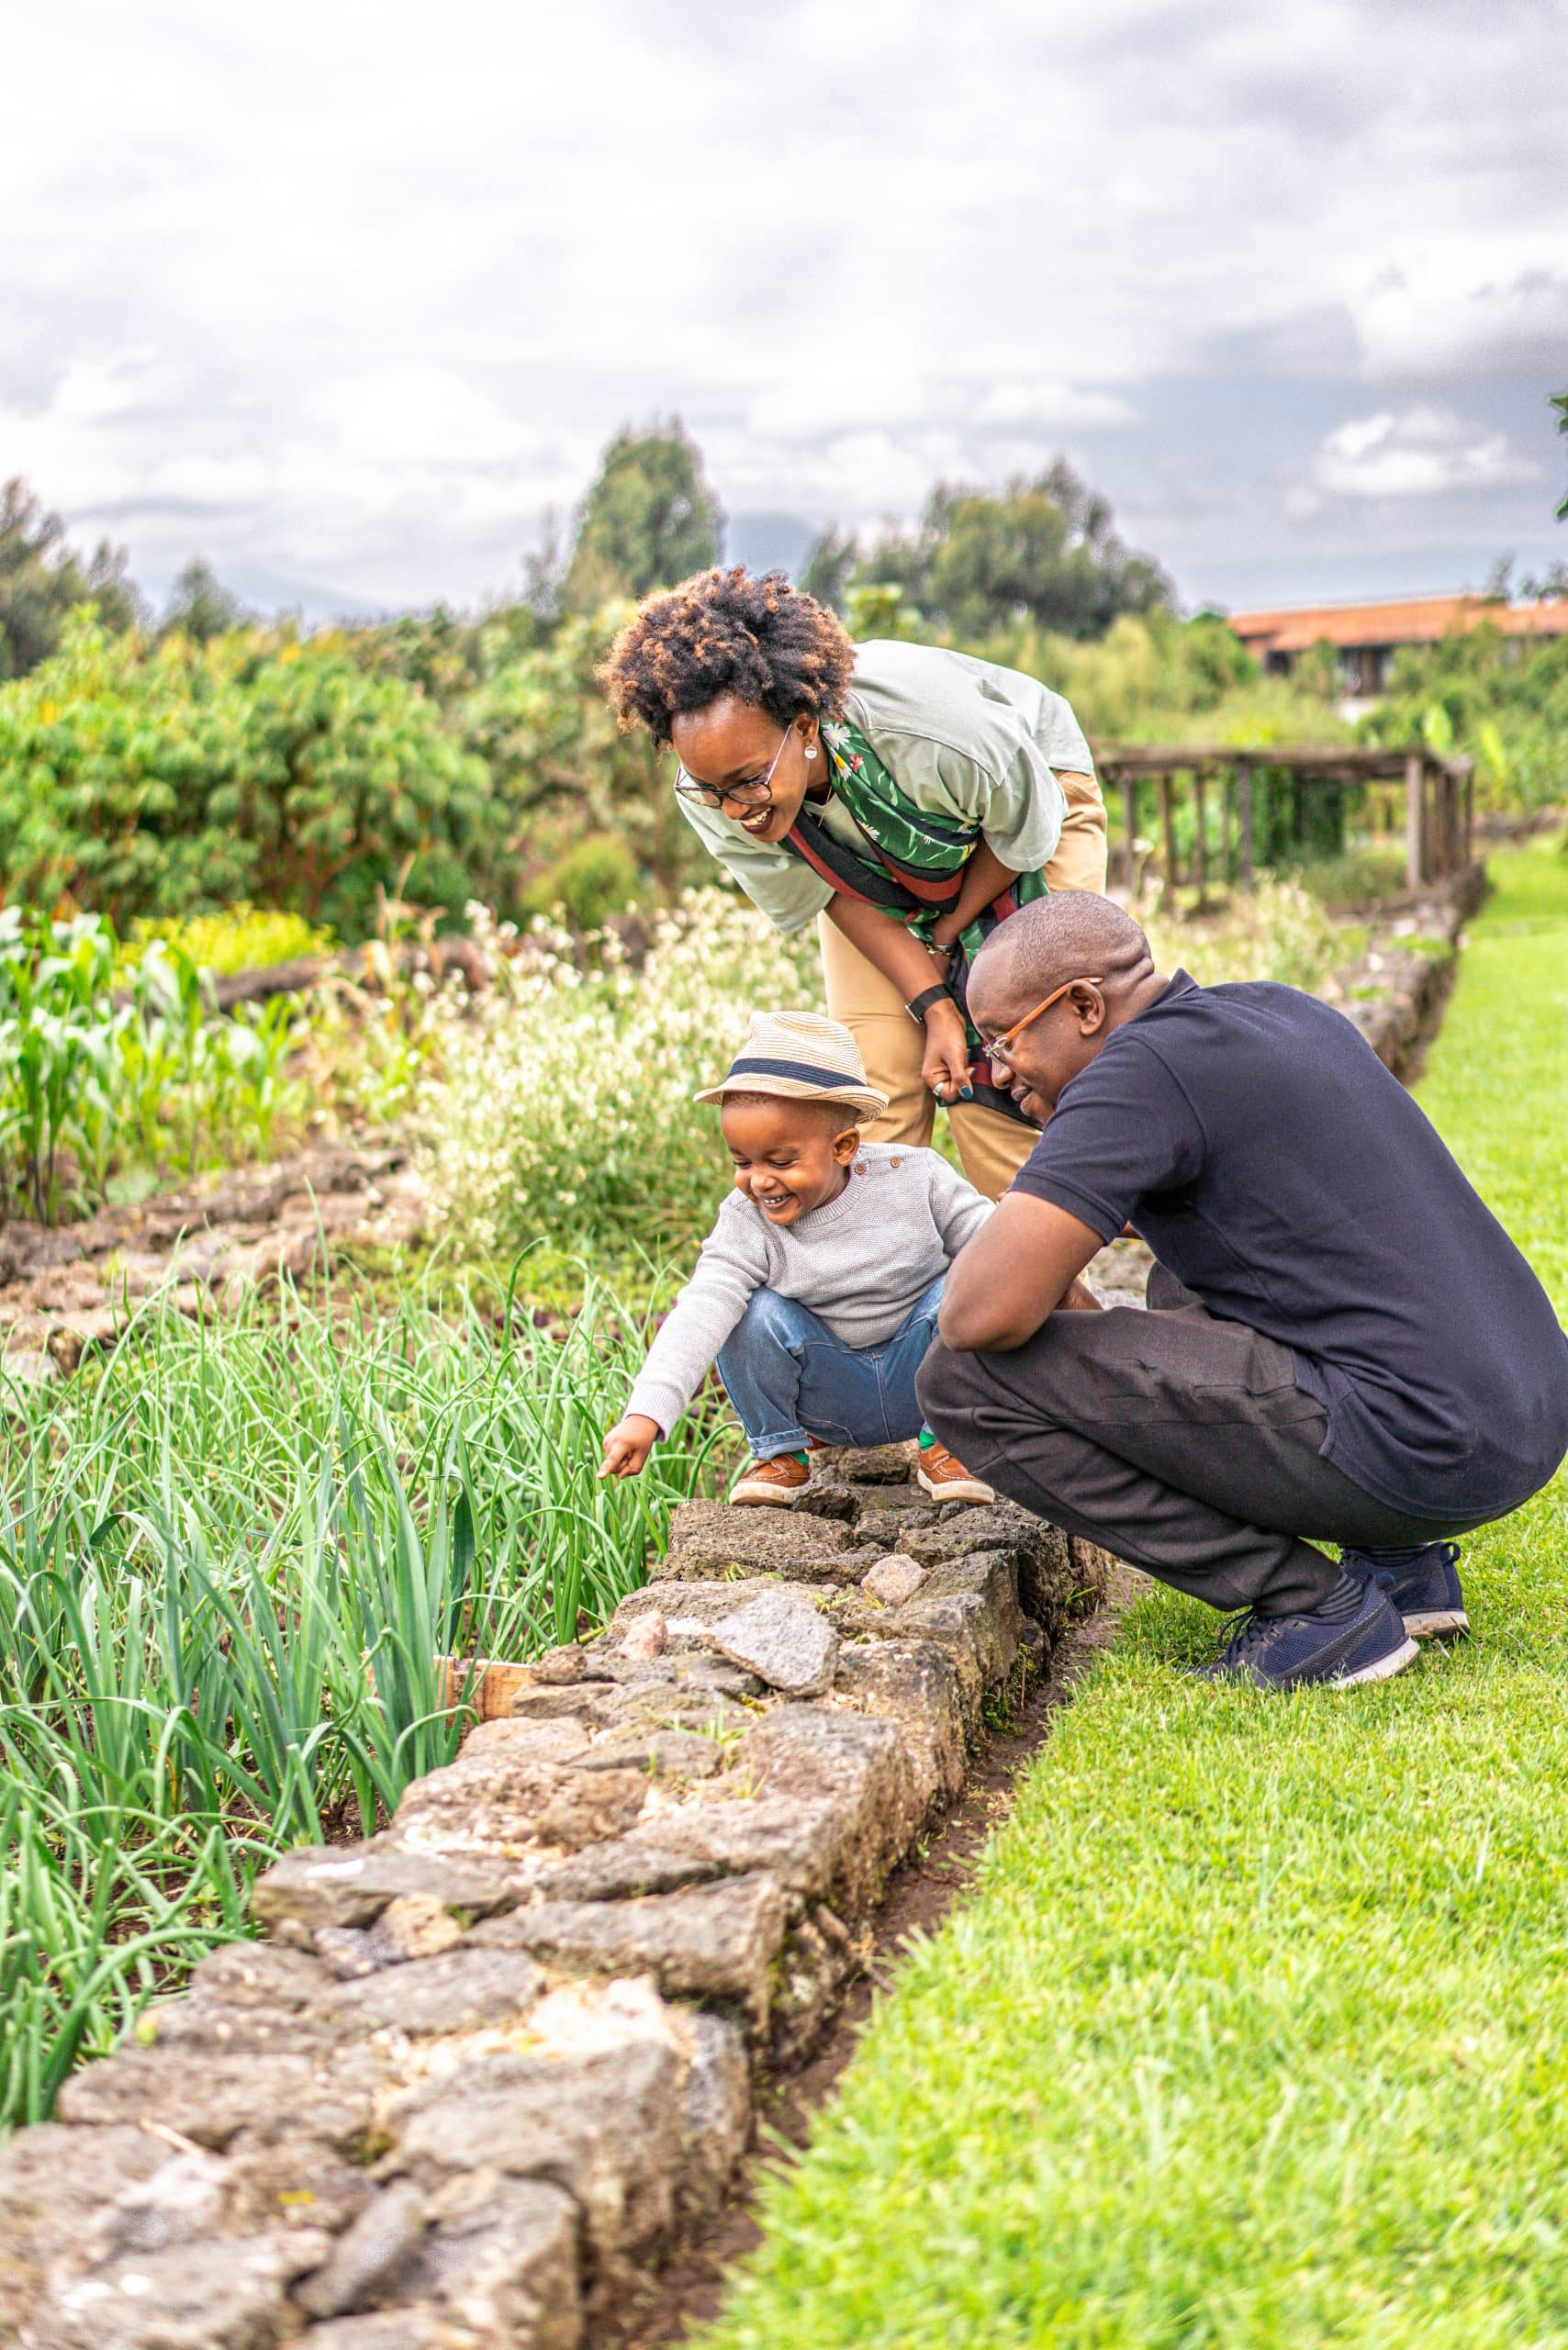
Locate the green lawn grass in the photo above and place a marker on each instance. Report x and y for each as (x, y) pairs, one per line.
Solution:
(1255, 2031)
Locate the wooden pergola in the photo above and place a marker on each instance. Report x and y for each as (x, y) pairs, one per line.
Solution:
(1439, 794)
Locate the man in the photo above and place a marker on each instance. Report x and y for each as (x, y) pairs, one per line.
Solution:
(1342, 1342)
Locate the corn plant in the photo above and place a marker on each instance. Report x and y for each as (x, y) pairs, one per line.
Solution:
(108, 1080)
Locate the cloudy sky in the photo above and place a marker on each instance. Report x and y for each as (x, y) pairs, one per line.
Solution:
(346, 296)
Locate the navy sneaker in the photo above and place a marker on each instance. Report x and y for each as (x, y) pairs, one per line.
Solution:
(1423, 1583)
(1355, 1635)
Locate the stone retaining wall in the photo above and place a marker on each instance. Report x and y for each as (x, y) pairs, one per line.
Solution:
(483, 2065)
(1397, 991)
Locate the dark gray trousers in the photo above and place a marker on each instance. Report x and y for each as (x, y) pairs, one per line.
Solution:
(1176, 1441)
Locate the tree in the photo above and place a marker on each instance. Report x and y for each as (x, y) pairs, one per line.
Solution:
(200, 607)
(830, 566)
(42, 579)
(1040, 550)
(1559, 402)
(649, 519)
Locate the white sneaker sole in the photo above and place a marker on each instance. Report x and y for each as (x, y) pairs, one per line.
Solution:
(1437, 1623)
(955, 1489)
(747, 1495)
(1384, 1670)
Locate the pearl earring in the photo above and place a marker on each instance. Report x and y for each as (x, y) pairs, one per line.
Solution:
(811, 750)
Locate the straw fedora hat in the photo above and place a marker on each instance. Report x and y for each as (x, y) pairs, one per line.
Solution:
(804, 1057)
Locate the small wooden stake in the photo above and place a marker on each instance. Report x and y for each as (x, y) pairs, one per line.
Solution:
(1415, 822)
(477, 1684)
(1244, 817)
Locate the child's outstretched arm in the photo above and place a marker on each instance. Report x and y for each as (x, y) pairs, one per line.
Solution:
(733, 1264)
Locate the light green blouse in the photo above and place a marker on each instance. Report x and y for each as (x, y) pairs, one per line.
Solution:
(960, 736)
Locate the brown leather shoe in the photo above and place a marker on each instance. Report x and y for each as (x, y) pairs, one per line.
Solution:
(770, 1484)
(944, 1476)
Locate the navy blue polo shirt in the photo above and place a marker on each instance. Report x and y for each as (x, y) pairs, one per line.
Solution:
(1253, 1138)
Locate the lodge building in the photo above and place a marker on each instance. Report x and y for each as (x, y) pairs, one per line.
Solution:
(1367, 636)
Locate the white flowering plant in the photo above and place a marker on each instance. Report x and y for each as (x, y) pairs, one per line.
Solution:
(556, 1105)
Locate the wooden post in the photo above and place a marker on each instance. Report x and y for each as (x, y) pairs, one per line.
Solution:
(1129, 812)
(1168, 823)
(1199, 853)
(1469, 818)
(1227, 828)
(1244, 817)
(1415, 821)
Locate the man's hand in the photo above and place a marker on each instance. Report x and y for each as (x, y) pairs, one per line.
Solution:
(628, 1444)
(945, 1066)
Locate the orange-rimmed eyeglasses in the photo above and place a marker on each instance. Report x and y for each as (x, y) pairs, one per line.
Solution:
(1001, 1048)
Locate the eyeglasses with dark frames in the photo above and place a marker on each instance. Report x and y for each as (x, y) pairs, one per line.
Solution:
(999, 1049)
(755, 794)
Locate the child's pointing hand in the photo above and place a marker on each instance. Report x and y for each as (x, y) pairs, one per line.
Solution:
(628, 1444)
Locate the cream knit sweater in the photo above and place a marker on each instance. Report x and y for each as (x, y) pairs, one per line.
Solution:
(860, 1262)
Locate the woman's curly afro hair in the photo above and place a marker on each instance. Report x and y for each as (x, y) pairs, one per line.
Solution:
(728, 633)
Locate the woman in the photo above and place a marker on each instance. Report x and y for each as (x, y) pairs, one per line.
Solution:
(907, 797)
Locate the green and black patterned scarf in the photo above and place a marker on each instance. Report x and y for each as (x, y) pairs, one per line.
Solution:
(912, 865)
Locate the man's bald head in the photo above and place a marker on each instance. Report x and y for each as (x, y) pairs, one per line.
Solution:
(1072, 934)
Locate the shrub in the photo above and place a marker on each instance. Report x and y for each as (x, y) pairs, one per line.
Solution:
(592, 881)
(242, 938)
(560, 1102)
(94, 1083)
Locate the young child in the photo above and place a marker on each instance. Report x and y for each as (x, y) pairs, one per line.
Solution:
(816, 1291)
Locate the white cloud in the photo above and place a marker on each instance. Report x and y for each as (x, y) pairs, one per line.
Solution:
(1452, 313)
(1416, 452)
(350, 294)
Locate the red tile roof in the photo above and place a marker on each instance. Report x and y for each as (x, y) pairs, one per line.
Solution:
(1417, 620)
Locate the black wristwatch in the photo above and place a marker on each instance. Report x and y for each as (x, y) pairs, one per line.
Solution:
(922, 1003)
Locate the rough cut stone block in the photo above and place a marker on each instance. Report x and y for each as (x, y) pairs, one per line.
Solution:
(712, 1941)
(259, 1974)
(210, 2097)
(393, 2330)
(232, 2294)
(499, 2258)
(787, 1645)
(798, 1842)
(459, 1991)
(914, 1683)
(707, 1711)
(368, 2255)
(708, 1539)
(893, 1580)
(549, 1703)
(849, 1770)
(53, 2184)
(499, 1805)
(668, 1753)
(957, 1622)
(412, 1926)
(607, 2128)
(699, 1606)
(716, 2122)
(284, 2178)
(325, 1884)
(870, 1464)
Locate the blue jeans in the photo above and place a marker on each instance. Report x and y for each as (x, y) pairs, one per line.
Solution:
(789, 1377)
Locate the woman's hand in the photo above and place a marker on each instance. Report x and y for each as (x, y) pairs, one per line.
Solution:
(944, 932)
(628, 1444)
(945, 1066)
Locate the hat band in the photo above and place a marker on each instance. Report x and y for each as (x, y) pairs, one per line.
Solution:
(802, 1070)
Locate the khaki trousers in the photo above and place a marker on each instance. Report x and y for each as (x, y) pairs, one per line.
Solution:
(992, 1148)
